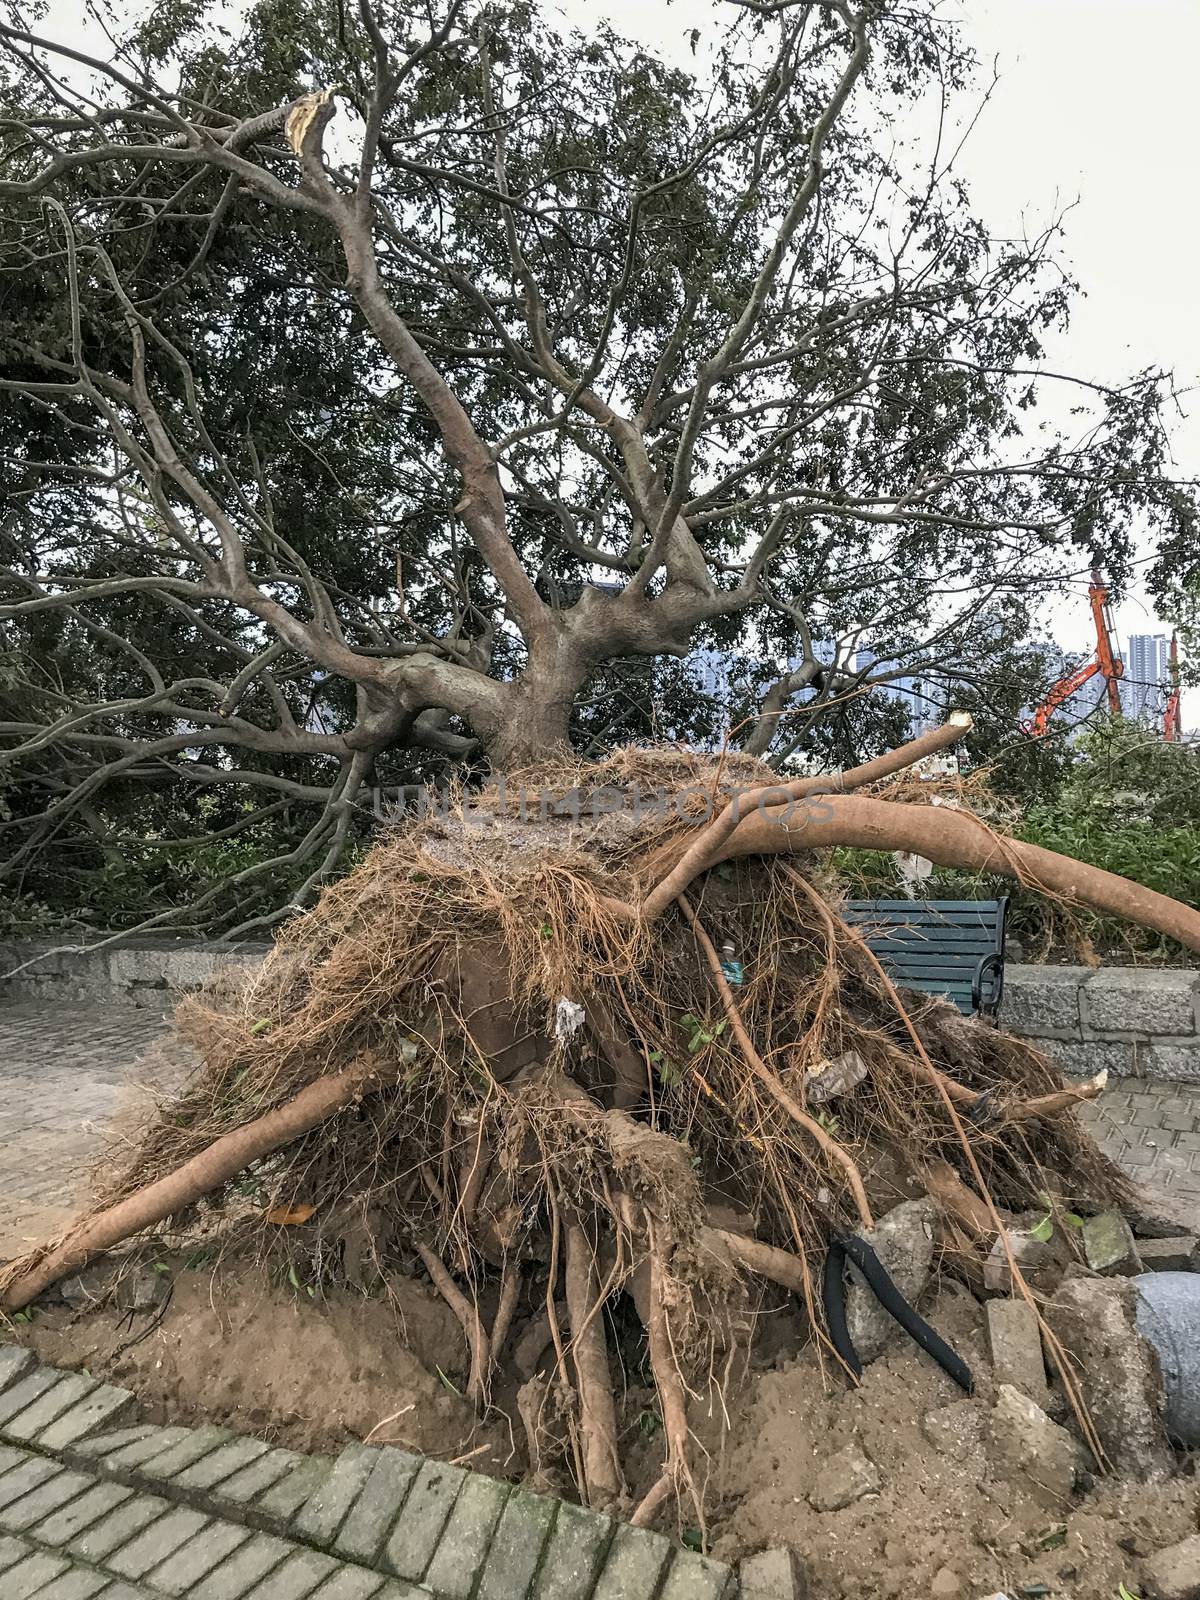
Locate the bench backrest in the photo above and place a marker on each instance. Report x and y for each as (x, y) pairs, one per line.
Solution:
(949, 947)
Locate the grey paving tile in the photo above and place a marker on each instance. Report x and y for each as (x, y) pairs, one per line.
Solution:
(635, 1565)
(413, 1540)
(147, 1549)
(101, 1409)
(296, 1578)
(196, 1558)
(574, 1555)
(97, 1543)
(239, 1573)
(61, 1526)
(21, 1514)
(516, 1549)
(327, 1508)
(459, 1557)
(27, 1577)
(374, 1513)
(25, 1426)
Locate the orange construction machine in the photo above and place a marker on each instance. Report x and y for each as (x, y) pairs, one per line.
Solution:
(1106, 661)
(1171, 723)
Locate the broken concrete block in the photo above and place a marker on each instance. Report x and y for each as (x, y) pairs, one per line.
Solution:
(1117, 1371)
(1038, 1260)
(1015, 1340)
(903, 1241)
(1109, 1246)
(1170, 1255)
(845, 1478)
(775, 1574)
(1174, 1573)
(1164, 1213)
(109, 1280)
(1026, 1445)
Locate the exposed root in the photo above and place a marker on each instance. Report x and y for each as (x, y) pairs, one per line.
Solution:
(602, 1477)
(403, 1055)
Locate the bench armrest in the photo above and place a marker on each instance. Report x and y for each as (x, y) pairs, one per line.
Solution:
(987, 985)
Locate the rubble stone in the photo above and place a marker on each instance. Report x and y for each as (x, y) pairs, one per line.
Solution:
(1027, 1445)
(775, 1574)
(845, 1478)
(1037, 1259)
(1015, 1340)
(1174, 1573)
(1094, 1318)
(903, 1241)
(1109, 1246)
(1170, 1255)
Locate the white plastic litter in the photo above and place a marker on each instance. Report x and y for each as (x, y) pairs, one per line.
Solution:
(568, 1019)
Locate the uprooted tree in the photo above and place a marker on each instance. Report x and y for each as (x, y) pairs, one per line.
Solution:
(619, 326)
(412, 389)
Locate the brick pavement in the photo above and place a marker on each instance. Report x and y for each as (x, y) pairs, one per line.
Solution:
(65, 1073)
(96, 1506)
(91, 1523)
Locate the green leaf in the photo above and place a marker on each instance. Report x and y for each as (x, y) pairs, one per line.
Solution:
(293, 1278)
(1071, 1218)
(692, 1539)
(261, 1025)
(449, 1383)
(1054, 1538)
(1043, 1230)
(1127, 1594)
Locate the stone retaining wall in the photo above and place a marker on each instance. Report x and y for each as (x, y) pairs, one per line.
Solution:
(145, 972)
(1135, 1021)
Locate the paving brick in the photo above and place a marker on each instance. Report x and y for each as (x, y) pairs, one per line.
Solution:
(1170, 1255)
(32, 1574)
(281, 1502)
(96, 1502)
(146, 1550)
(20, 1396)
(98, 1445)
(27, 1476)
(516, 1550)
(101, 1409)
(244, 1486)
(573, 1557)
(79, 1583)
(459, 1557)
(20, 1515)
(220, 1464)
(12, 1550)
(353, 1583)
(98, 1542)
(27, 1425)
(195, 1444)
(15, 1362)
(695, 1577)
(139, 1452)
(374, 1513)
(414, 1538)
(237, 1575)
(326, 1509)
(196, 1558)
(1015, 1341)
(11, 1457)
(635, 1564)
(296, 1578)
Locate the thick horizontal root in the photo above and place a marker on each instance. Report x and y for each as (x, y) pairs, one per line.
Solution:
(220, 1162)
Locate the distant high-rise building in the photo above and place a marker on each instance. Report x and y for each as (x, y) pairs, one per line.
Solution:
(1145, 687)
(919, 697)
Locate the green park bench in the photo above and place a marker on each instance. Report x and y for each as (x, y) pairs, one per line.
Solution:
(948, 947)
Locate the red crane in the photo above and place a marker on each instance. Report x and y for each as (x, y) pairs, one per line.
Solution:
(1106, 661)
(1171, 720)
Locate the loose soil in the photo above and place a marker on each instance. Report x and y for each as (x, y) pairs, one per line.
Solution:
(234, 1347)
